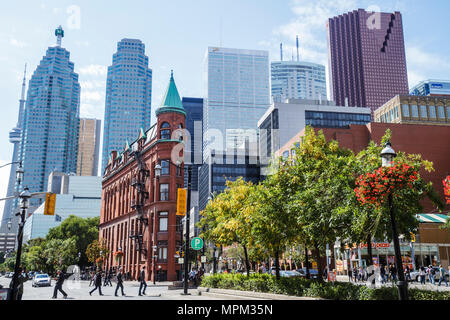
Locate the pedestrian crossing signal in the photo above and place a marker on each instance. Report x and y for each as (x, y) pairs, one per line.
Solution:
(50, 201)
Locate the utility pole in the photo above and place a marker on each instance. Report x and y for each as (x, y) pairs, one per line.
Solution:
(186, 244)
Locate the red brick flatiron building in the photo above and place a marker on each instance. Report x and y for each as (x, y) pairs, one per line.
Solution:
(138, 216)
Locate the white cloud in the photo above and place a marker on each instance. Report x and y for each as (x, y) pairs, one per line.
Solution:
(92, 96)
(16, 43)
(94, 70)
(92, 84)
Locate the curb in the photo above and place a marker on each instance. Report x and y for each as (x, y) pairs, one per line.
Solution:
(252, 294)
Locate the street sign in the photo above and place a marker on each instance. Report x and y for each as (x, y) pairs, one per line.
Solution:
(180, 260)
(197, 243)
(50, 201)
(181, 202)
(328, 253)
(203, 259)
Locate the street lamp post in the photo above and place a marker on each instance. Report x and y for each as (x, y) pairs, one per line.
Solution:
(387, 155)
(155, 248)
(158, 169)
(24, 196)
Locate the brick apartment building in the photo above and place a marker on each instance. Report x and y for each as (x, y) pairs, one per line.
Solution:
(138, 215)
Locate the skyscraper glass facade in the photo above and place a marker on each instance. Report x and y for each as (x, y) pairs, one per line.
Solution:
(298, 80)
(237, 95)
(194, 118)
(367, 60)
(50, 124)
(128, 97)
(431, 88)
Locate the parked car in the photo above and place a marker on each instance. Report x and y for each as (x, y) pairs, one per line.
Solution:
(9, 274)
(40, 280)
(290, 273)
(312, 272)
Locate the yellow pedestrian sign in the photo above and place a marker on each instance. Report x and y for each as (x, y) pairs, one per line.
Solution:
(50, 201)
(181, 202)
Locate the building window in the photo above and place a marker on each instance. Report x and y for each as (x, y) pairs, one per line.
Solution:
(164, 192)
(162, 250)
(165, 167)
(441, 112)
(405, 109)
(286, 155)
(414, 111)
(448, 112)
(163, 221)
(432, 112)
(423, 112)
(165, 131)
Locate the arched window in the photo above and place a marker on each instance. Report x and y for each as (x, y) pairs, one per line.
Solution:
(165, 131)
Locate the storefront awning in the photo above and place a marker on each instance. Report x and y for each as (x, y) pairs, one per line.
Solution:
(432, 217)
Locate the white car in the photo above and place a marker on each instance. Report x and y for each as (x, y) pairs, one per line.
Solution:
(40, 280)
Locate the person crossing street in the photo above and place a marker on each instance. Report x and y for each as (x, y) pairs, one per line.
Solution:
(107, 279)
(141, 279)
(97, 283)
(58, 285)
(119, 282)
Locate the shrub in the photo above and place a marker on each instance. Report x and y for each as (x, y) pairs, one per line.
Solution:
(297, 286)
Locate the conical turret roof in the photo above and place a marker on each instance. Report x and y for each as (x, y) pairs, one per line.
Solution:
(171, 100)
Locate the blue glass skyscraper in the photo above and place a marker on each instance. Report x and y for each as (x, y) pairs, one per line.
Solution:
(128, 97)
(50, 123)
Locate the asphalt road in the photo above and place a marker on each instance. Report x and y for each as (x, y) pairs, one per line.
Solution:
(80, 291)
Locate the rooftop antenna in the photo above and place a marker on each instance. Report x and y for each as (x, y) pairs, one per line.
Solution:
(59, 33)
(298, 56)
(281, 51)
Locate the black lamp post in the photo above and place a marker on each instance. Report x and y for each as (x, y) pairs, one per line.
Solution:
(387, 156)
(188, 206)
(24, 196)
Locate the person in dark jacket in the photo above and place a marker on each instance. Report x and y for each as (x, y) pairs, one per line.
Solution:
(58, 285)
(108, 279)
(119, 282)
(97, 283)
(142, 281)
(21, 278)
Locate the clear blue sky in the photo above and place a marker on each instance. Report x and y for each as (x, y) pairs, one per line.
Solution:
(177, 33)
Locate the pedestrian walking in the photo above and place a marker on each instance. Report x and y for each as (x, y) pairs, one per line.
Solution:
(143, 284)
(21, 278)
(58, 285)
(355, 274)
(442, 276)
(422, 275)
(349, 275)
(108, 279)
(431, 273)
(119, 282)
(360, 274)
(92, 276)
(408, 273)
(97, 283)
(383, 274)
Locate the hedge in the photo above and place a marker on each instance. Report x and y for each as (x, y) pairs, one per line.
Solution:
(301, 287)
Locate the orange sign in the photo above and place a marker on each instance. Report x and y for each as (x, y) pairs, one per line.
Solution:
(181, 202)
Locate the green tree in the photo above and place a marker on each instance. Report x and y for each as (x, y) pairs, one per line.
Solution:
(97, 250)
(274, 226)
(321, 181)
(83, 231)
(60, 253)
(227, 219)
(374, 221)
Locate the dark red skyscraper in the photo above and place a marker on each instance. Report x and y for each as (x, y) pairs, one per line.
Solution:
(367, 60)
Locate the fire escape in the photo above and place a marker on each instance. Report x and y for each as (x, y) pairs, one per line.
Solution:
(138, 183)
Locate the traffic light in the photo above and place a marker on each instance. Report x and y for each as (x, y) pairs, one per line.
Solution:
(50, 201)
(413, 237)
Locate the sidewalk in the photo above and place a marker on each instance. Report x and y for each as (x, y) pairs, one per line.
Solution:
(249, 294)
